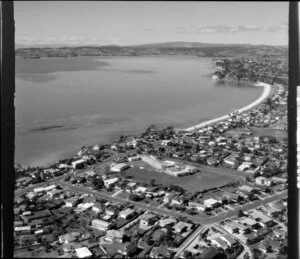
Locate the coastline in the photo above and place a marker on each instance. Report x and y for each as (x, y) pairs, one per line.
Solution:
(263, 97)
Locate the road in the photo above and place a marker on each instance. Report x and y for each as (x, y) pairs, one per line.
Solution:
(197, 219)
(189, 240)
(246, 247)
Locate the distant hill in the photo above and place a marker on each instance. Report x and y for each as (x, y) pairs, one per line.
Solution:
(183, 44)
(165, 48)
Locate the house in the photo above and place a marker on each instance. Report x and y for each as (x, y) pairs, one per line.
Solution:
(110, 182)
(148, 220)
(219, 242)
(128, 249)
(263, 219)
(165, 222)
(134, 158)
(246, 188)
(97, 208)
(176, 201)
(160, 252)
(79, 164)
(229, 240)
(71, 202)
(44, 189)
(119, 167)
(209, 253)
(182, 227)
(90, 173)
(264, 246)
(279, 179)
(260, 180)
(249, 222)
(140, 189)
(244, 166)
(111, 211)
(55, 193)
(231, 160)
(168, 197)
(196, 205)
(211, 203)
(114, 236)
(101, 224)
(23, 229)
(158, 235)
(83, 252)
(127, 213)
(84, 206)
(233, 227)
(69, 237)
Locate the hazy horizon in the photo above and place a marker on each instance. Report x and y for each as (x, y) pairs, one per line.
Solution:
(135, 23)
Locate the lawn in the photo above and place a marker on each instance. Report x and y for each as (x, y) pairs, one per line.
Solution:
(278, 134)
(197, 182)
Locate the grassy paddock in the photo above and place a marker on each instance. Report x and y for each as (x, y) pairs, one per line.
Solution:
(278, 134)
(192, 183)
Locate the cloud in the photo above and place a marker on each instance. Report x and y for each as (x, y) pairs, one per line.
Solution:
(150, 30)
(230, 29)
(71, 40)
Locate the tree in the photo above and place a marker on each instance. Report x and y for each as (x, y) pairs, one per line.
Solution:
(134, 197)
(152, 182)
(240, 213)
(187, 254)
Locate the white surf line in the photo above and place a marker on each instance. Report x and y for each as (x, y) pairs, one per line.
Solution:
(264, 95)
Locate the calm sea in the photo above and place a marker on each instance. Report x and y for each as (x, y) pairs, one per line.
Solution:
(65, 103)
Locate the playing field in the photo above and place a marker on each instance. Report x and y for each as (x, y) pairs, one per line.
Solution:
(197, 182)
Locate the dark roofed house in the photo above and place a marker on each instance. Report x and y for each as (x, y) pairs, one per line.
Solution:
(160, 252)
(209, 253)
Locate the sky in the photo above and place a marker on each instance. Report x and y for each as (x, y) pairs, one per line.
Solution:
(131, 23)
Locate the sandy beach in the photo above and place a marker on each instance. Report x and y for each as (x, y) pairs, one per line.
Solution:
(265, 94)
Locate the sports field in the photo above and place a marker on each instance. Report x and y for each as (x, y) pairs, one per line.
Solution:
(197, 182)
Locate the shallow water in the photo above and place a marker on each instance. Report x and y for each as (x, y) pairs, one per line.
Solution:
(65, 103)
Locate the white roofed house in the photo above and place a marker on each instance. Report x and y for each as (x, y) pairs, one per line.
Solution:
(244, 166)
(217, 241)
(148, 220)
(229, 240)
(101, 224)
(97, 208)
(246, 188)
(196, 205)
(211, 203)
(109, 182)
(182, 227)
(44, 189)
(71, 201)
(231, 160)
(166, 222)
(140, 189)
(260, 180)
(263, 219)
(127, 213)
(119, 167)
(83, 252)
(79, 164)
(114, 236)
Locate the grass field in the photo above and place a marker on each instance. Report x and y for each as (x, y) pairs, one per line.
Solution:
(278, 134)
(197, 182)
